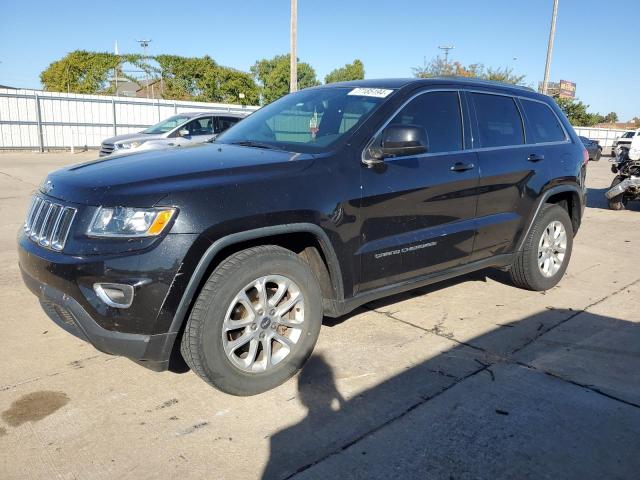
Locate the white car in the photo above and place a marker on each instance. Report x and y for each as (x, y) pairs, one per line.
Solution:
(625, 140)
(176, 131)
(634, 148)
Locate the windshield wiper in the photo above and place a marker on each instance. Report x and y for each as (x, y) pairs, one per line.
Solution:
(251, 143)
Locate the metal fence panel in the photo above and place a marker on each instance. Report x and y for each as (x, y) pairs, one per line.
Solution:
(605, 136)
(31, 119)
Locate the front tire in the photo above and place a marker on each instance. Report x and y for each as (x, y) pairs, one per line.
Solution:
(546, 251)
(255, 322)
(619, 202)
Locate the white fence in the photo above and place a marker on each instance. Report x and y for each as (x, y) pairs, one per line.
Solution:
(35, 120)
(605, 136)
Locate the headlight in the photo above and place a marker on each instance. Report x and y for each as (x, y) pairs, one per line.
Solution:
(128, 145)
(130, 222)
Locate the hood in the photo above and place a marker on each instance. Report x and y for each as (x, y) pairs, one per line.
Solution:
(143, 179)
(134, 136)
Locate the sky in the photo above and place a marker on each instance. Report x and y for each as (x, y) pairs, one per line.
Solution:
(390, 37)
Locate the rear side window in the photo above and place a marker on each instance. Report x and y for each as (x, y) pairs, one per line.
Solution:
(544, 124)
(499, 121)
(439, 114)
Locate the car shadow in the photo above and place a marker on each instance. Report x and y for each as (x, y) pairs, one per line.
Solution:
(596, 199)
(564, 403)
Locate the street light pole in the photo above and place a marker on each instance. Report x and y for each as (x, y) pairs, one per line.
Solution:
(552, 34)
(293, 79)
(144, 44)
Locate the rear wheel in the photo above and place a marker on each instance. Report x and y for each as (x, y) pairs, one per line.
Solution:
(546, 251)
(255, 321)
(619, 202)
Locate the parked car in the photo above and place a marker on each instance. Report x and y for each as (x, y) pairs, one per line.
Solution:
(229, 255)
(176, 131)
(624, 140)
(593, 148)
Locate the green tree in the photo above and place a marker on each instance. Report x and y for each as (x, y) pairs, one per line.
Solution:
(273, 77)
(438, 67)
(577, 113)
(351, 71)
(611, 117)
(81, 72)
(181, 78)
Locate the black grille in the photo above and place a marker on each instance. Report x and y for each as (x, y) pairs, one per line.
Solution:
(48, 223)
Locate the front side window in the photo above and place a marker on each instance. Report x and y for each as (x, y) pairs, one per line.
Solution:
(544, 124)
(200, 126)
(309, 121)
(499, 121)
(439, 114)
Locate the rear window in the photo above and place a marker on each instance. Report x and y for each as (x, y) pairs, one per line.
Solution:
(543, 123)
(499, 122)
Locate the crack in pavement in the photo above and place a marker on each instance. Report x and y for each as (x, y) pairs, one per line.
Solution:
(13, 177)
(497, 358)
(405, 412)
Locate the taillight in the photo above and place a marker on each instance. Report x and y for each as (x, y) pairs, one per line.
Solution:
(585, 156)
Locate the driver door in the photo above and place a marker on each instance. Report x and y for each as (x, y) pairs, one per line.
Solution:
(199, 131)
(418, 211)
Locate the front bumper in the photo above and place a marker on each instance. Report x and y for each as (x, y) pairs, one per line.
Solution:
(151, 351)
(63, 284)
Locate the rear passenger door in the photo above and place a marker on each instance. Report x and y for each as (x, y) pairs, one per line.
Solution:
(417, 211)
(513, 171)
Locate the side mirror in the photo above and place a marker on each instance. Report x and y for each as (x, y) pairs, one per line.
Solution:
(399, 141)
(183, 132)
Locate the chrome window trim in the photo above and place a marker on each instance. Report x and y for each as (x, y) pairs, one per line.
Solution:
(566, 134)
(364, 159)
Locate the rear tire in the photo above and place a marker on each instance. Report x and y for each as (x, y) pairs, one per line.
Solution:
(255, 322)
(546, 251)
(619, 202)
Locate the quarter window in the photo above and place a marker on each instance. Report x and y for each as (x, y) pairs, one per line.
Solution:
(499, 122)
(543, 123)
(439, 114)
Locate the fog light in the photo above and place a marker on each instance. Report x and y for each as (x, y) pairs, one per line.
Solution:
(116, 295)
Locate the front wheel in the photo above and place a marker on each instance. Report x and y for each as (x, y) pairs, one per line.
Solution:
(545, 255)
(619, 202)
(255, 322)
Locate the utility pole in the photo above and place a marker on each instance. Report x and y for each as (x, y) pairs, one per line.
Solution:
(552, 34)
(446, 49)
(145, 44)
(293, 79)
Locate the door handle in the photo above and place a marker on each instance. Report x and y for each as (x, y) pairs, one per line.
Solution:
(534, 157)
(461, 167)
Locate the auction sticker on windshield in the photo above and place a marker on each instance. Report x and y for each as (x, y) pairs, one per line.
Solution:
(371, 92)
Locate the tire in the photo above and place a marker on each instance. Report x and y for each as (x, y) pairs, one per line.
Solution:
(619, 202)
(598, 155)
(526, 271)
(229, 310)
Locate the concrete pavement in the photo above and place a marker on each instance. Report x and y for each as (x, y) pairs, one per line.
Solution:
(471, 378)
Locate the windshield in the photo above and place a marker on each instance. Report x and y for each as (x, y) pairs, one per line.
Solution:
(168, 124)
(628, 135)
(309, 121)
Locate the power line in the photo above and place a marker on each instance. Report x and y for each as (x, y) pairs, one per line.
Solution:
(446, 49)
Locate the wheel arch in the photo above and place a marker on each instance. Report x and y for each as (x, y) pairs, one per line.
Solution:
(568, 196)
(282, 235)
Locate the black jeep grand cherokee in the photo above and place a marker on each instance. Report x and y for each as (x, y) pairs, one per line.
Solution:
(230, 254)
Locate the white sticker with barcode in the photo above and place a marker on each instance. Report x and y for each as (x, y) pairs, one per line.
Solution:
(371, 92)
